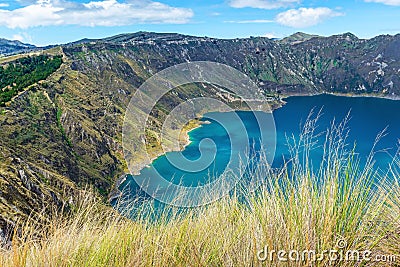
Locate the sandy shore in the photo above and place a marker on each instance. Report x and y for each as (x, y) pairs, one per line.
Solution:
(184, 141)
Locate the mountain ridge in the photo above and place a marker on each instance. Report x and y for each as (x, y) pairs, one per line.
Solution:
(296, 37)
(8, 47)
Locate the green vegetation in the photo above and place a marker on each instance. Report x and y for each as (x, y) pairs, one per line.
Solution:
(62, 130)
(341, 208)
(17, 75)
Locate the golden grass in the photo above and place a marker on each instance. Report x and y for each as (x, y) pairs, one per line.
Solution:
(340, 207)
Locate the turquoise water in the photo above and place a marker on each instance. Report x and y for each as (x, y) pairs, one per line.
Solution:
(211, 141)
(367, 118)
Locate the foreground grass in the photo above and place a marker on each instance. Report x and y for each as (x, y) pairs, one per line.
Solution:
(299, 216)
(341, 207)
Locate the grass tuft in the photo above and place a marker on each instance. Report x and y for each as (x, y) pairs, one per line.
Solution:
(340, 206)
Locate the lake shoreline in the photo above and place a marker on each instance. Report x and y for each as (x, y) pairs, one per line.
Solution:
(388, 97)
(185, 134)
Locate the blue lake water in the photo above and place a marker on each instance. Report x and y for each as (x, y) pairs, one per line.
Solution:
(368, 117)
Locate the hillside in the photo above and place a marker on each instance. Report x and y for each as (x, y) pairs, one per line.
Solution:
(64, 133)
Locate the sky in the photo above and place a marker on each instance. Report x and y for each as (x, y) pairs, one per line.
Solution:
(44, 22)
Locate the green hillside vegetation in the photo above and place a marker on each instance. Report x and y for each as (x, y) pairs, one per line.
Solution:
(17, 75)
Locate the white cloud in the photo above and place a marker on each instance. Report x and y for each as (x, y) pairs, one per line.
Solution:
(306, 17)
(26, 2)
(95, 13)
(263, 4)
(386, 2)
(18, 37)
(249, 21)
(4, 5)
(22, 37)
(271, 35)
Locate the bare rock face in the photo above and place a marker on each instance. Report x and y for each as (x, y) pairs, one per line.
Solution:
(64, 133)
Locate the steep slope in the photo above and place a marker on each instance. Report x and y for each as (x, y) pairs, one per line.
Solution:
(64, 133)
(346, 64)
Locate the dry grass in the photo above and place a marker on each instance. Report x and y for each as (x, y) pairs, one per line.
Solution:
(295, 209)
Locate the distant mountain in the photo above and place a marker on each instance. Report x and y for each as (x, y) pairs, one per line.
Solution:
(14, 47)
(64, 133)
(298, 37)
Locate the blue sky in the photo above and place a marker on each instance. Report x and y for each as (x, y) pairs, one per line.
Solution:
(43, 22)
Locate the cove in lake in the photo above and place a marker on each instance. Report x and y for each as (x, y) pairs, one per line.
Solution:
(368, 117)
